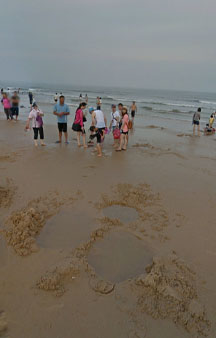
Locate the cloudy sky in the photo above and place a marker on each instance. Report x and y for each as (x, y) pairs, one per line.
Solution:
(168, 44)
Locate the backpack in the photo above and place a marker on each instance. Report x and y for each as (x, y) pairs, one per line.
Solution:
(130, 124)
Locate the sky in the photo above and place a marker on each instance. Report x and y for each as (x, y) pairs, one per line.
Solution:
(154, 44)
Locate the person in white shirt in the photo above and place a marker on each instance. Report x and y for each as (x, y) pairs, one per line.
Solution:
(35, 117)
(114, 123)
(99, 123)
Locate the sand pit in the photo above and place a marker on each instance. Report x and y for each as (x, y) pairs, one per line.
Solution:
(169, 291)
(124, 214)
(119, 256)
(24, 225)
(66, 230)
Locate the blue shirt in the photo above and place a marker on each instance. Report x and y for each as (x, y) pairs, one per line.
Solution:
(61, 109)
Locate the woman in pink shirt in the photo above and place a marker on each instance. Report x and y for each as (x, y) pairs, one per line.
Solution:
(124, 130)
(7, 106)
(78, 125)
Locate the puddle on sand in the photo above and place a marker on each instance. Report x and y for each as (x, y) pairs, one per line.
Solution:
(124, 214)
(67, 230)
(119, 256)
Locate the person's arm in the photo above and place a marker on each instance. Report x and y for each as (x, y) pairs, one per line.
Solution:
(55, 113)
(28, 122)
(81, 118)
(105, 120)
(41, 113)
(93, 119)
(136, 109)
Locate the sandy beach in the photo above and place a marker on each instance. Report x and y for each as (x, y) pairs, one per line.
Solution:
(119, 246)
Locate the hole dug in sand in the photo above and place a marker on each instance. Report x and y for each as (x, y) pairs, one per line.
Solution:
(66, 230)
(124, 214)
(119, 256)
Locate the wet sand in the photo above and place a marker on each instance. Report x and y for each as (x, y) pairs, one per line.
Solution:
(118, 246)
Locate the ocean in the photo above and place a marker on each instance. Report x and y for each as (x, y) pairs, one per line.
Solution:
(165, 108)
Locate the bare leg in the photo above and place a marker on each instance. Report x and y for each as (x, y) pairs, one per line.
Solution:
(78, 139)
(60, 137)
(99, 150)
(125, 142)
(121, 142)
(84, 141)
(194, 129)
(198, 128)
(66, 137)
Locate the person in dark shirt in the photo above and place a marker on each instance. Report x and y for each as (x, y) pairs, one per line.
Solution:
(15, 105)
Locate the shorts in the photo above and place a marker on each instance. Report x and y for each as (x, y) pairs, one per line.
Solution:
(15, 111)
(62, 127)
(99, 135)
(133, 112)
(8, 113)
(98, 107)
(196, 123)
(40, 131)
(124, 132)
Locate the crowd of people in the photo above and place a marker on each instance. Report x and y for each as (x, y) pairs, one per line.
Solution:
(119, 125)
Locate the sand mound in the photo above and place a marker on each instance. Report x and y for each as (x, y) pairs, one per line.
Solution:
(52, 281)
(7, 190)
(128, 195)
(169, 291)
(25, 224)
(3, 323)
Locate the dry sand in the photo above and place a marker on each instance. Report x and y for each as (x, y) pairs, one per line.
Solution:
(122, 246)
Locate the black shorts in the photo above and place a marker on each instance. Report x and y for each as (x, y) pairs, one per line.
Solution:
(133, 112)
(15, 111)
(196, 123)
(124, 132)
(62, 127)
(98, 107)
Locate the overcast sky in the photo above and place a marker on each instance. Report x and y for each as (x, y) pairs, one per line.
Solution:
(168, 44)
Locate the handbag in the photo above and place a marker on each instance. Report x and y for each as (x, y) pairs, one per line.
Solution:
(84, 118)
(76, 127)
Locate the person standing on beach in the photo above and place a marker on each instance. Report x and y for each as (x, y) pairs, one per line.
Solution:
(124, 130)
(86, 99)
(61, 110)
(99, 124)
(56, 98)
(15, 105)
(37, 124)
(133, 110)
(30, 98)
(114, 123)
(78, 125)
(98, 103)
(81, 98)
(196, 122)
(7, 106)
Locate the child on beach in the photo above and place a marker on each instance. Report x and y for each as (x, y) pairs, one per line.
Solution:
(7, 106)
(99, 134)
(211, 120)
(124, 130)
(37, 124)
(114, 123)
(99, 121)
(196, 121)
